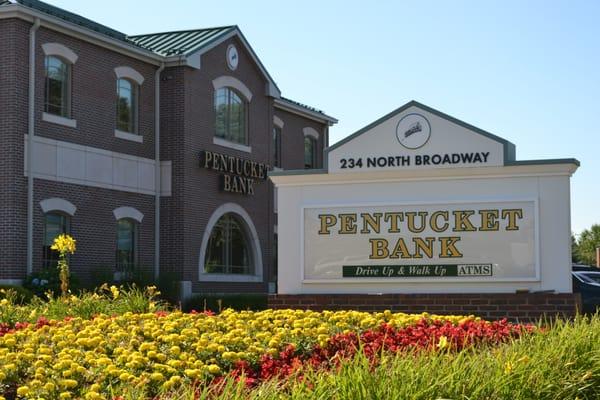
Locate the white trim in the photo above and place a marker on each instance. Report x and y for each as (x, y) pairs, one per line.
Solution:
(128, 212)
(57, 49)
(68, 162)
(58, 204)
(254, 244)
(278, 122)
(134, 137)
(434, 174)
(232, 145)
(129, 73)
(11, 282)
(230, 81)
(311, 132)
(57, 119)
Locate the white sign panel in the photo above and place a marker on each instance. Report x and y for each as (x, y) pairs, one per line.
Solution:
(466, 241)
(415, 139)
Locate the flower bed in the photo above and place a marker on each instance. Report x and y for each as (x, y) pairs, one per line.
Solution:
(157, 352)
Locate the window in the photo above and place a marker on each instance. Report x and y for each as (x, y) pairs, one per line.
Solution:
(127, 93)
(277, 147)
(310, 152)
(230, 112)
(126, 244)
(228, 250)
(54, 225)
(57, 94)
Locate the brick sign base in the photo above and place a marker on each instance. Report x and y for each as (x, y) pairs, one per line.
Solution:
(514, 306)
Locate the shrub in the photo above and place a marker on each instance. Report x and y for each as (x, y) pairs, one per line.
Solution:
(21, 294)
(218, 302)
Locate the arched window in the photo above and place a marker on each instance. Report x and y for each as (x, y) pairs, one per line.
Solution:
(57, 91)
(127, 100)
(55, 223)
(310, 152)
(228, 250)
(230, 110)
(126, 244)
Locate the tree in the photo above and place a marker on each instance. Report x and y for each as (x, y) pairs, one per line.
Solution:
(574, 249)
(588, 241)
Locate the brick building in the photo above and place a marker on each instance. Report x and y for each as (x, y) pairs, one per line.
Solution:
(151, 150)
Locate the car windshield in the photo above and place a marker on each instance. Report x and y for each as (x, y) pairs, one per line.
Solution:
(589, 277)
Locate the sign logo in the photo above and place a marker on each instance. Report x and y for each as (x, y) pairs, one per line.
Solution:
(413, 131)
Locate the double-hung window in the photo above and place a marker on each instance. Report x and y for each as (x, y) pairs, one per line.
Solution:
(231, 116)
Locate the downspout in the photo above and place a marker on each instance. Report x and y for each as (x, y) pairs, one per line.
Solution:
(157, 171)
(30, 134)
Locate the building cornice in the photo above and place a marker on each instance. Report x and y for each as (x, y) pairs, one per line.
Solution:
(47, 21)
(533, 168)
(284, 105)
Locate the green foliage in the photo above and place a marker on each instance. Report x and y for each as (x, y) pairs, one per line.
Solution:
(563, 362)
(47, 280)
(240, 302)
(588, 241)
(104, 300)
(17, 294)
(574, 249)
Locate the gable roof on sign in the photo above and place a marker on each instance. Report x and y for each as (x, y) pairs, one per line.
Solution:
(509, 148)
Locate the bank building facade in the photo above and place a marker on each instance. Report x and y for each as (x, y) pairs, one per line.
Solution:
(151, 150)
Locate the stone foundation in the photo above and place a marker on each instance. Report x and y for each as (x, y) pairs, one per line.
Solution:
(514, 306)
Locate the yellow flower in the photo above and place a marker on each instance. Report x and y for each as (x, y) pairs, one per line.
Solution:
(443, 343)
(115, 291)
(508, 367)
(214, 369)
(23, 391)
(64, 244)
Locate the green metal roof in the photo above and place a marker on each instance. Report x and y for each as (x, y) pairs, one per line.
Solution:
(179, 42)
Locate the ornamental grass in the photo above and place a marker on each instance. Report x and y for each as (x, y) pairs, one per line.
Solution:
(119, 343)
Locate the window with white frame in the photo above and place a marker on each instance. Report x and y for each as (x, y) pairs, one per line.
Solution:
(228, 250)
(277, 147)
(57, 88)
(310, 152)
(127, 103)
(231, 116)
(127, 235)
(55, 223)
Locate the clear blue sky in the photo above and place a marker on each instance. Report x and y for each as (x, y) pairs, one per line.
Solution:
(526, 71)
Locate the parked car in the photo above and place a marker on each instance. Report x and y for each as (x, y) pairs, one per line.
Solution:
(587, 282)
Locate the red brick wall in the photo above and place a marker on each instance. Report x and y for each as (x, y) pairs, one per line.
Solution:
(187, 127)
(521, 306)
(292, 139)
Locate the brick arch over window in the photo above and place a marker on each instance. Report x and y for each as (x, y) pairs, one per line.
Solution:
(128, 212)
(311, 132)
(129, 73)
(254, 243)
(62, 51)
(230, 81)
(58, 204)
